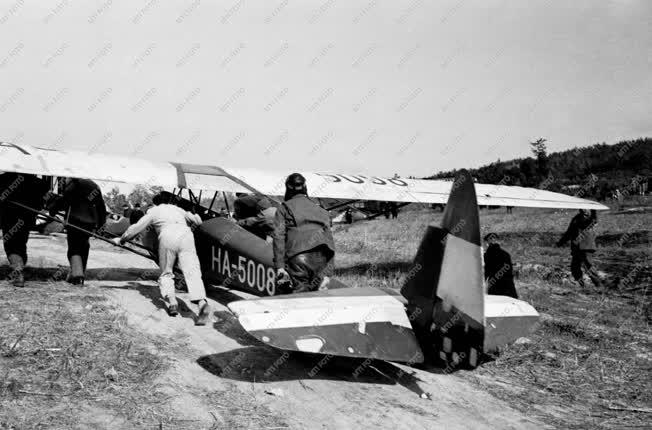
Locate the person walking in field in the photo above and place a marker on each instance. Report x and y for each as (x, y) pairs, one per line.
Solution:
(175, 243)
(302, 239)
(581, 235)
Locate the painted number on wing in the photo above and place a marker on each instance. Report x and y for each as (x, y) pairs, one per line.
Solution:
(361, 179)
(248, 272)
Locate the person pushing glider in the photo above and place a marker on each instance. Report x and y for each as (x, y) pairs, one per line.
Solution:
(302, 239)
(255, 214)
(175, 242)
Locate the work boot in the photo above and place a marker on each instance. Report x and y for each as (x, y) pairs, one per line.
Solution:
(17, 264)
(284, 286)
(17, 278)
(173, 310)
(76, 275)
(204, 314)
(75, 280)
(76, 266)
(173, 306)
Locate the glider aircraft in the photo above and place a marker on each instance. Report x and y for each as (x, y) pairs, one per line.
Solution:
(442, 312)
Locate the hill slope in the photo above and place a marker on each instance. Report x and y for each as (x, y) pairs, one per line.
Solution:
(599, 169)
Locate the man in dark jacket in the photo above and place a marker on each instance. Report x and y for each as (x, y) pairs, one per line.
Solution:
(255, 214)
(27, 190)
(84, 206)
(303, 242)
(581, 234)
(498, 269)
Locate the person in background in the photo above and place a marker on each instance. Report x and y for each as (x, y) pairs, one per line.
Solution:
(581, 234)
(348, 216)
(85, 208)
(393, 208)
(126, 210)
(16, 222)
(176, 243)
(498, 268)
(302, 240)
(620, 198)
(255, 214)
(136, 214)
(384, 207)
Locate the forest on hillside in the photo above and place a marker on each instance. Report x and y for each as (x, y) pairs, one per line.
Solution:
(593, 171)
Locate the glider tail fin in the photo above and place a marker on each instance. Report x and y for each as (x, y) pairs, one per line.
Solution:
(445, 289)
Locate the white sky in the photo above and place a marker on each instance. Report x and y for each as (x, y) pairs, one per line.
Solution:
(357, 86)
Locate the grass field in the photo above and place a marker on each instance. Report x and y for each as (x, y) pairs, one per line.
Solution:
(589, 362)
(67, 357)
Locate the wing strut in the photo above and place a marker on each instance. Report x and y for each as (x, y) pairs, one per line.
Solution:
(213, 201)
(183, 168)
(226, 203)
(339, 205)
(90, 233)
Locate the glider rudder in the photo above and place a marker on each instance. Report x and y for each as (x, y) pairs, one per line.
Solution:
(444, 289)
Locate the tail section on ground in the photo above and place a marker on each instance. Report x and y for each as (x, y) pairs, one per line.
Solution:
(350, 322)
(445, 292)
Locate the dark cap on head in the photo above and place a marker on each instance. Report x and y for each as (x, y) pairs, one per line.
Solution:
(295, 184)
(161, 198)
(491, 237)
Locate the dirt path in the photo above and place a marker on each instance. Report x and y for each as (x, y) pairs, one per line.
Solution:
(220, 374)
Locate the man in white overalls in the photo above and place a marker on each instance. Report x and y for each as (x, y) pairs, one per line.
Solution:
(175, 243)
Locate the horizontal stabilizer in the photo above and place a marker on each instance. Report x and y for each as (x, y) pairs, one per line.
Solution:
(352, 322)
(507, 319)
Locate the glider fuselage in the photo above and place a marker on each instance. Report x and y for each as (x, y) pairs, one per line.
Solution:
(234, 258)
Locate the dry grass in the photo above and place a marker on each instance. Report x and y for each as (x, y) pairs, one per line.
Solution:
(588, 365)
(68, 360)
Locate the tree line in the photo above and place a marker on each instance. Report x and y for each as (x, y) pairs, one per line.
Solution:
(596, 170)
(142, 195)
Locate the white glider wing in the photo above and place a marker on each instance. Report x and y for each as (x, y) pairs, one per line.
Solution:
(169, 175)
(363, 187)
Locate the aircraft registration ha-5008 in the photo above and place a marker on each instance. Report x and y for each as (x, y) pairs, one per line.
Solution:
(442, 311)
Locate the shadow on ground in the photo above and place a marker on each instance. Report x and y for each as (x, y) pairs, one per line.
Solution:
(59, 273)
(264, 364)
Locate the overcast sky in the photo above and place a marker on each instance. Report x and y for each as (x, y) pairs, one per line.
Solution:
(368, 86)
